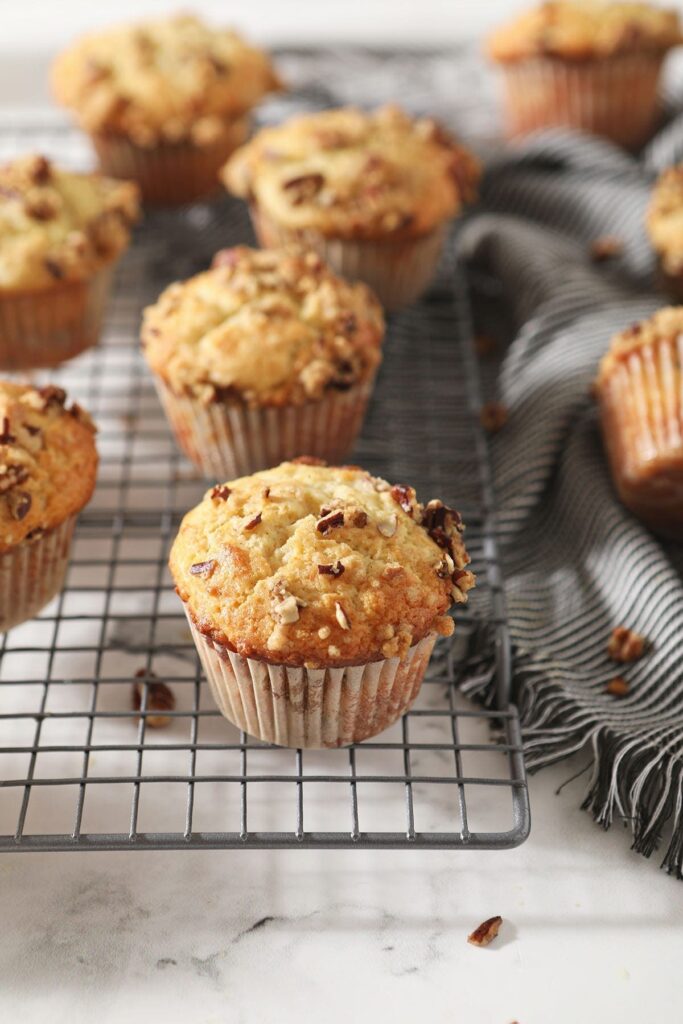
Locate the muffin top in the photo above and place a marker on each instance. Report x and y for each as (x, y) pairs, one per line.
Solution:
(162, 81)
(312, 565)
(665, 218)
(665, 325)
(48, 461)
(585, 29)
(265, 327)
(351, 174)
(56, 225)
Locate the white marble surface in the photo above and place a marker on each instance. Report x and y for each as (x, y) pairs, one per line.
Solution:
(592, 933)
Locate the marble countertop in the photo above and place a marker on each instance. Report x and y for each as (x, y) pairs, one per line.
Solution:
(591, 932)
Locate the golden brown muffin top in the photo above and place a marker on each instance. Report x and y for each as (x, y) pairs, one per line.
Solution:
(585, 29)
(265, 327)
(56, 225)
(351, 174)
(48, 461)
(307, 564)
(170, 80)
(665, 325)
(665, 219)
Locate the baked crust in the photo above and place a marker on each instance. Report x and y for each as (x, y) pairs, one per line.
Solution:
(58, 226)
(319, 566)
(48, 461)
(265, 327)
(665, 219)
(169, 80)
(351, 174)
(585, 30)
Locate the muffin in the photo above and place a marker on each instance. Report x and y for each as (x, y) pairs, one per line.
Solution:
(266, 355)
(665, 229)
(165, 102)
(315, 595)
(371, 192)
(640, 391)
(585, 64)
(61, 234)
(48, 464)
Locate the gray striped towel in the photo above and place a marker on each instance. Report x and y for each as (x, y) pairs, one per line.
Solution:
(577, 563)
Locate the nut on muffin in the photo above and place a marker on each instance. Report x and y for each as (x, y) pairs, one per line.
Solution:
(163, 81)
(311, 565)
(48, 461)
(577, 30)
(264, 328)
(350, 174)
(58, 226)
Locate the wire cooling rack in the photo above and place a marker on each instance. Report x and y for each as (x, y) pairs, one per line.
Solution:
(80, 768)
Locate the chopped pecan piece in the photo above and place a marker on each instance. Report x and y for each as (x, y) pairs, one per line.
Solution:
(484, 345)
(304, 187)
(54, 268)
(6, 437)
(403, 496)
(329, 520)
(41, 171)
(203, 568)
(625, 645)
(617, 687)
(253, 523)
(486, 932)
(19, 504)
(52, 395)
(493, 416)
(359, 518)
(220, 492)
(40, 209)
(331, 569)
(160, 699)
(607, 247)
(387, 525)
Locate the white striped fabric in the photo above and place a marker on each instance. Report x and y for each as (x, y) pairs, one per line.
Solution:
(577, 563)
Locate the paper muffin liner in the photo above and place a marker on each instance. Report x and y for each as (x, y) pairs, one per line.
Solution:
(642, 419)
(32, 573)
(47, 326)
(398, 271)
(616, 97)
(312, 708)
(226, 440)
(170, 174)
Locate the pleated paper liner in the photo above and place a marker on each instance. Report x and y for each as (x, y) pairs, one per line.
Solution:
(398, 271)
(32, 573)
(312, 708)
(615, 97)
(170, 174)
(47, 326)
(642, 419)
(226, 440)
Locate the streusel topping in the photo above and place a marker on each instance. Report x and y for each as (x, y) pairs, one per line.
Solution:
(352, 174)
(265, 327)
(48, 461)
(307, 564)
(56, 225)
(170, 80)
(585, 29)
(665, 219)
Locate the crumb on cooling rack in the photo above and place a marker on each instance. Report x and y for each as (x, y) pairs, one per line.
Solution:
(607, 247)
(160, 698)
(617, 687)
(493, 416)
